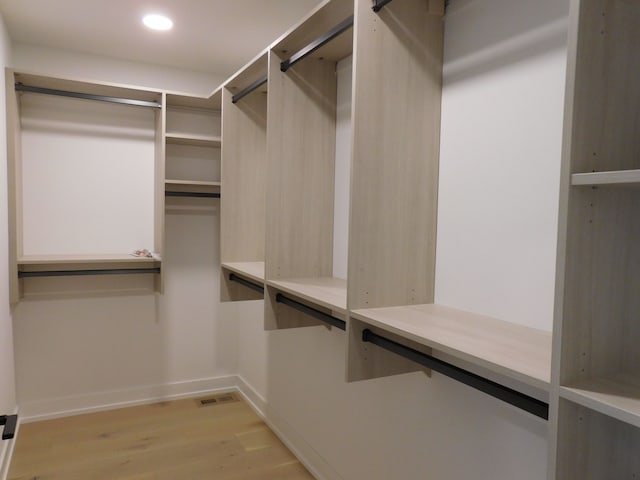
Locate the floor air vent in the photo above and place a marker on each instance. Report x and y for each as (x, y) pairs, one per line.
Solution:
(218, 399)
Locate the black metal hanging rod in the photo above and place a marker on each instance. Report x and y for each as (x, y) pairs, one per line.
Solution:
(86, 96)
(312, 312)
(243, 93)
(343, 26)
(253, 286)
(10, 423)
(506, 394)
(192, 194)
(75, 273)
(378, 4)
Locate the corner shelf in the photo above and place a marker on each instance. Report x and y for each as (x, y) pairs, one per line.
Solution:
(507, 349)
(623, 178)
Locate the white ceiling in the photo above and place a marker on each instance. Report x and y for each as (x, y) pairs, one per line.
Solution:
(216, 36)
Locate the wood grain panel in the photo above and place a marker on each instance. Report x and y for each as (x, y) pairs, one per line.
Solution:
(396, 129)
(300, 175)
(242, 211)
(159, 187)
(14, 186)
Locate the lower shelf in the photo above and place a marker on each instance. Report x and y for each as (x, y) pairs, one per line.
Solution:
(510, 350)
(617, 396)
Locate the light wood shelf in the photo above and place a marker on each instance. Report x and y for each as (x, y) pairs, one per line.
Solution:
(629, 178)
(251, 270)
(88, 258)
(327, 292)
(196, 140)
(197, 183)
(617, 396)
(515, 351)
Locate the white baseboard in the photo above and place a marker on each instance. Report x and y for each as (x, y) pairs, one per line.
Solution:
(311, 459)
(47, 409)
(6, 452)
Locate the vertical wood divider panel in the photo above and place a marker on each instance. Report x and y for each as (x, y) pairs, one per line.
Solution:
(159, 201)
(14, 185)
(595, 327)
(300, 176)
(244, 150)
(396, 137)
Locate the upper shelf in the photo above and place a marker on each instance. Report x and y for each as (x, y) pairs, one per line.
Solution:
(629, 178)
(315, 26)
(617, 396)
(197, 140)
(251, 270)
(328, 292)
(514, 351)
(212, 102)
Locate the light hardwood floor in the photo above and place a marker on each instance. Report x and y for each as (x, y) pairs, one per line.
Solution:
(172, 440)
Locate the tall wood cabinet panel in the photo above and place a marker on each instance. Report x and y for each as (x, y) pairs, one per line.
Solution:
(244, 151)
(396, 137)
(596, 352)
(301, 143)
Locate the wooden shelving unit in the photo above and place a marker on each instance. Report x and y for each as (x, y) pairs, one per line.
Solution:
(44, 260)
(192, 144)
(301, 149)
(596, 353)
(244, 150)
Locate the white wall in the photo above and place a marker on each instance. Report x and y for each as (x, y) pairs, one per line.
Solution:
(7, 390)
(500, 159)
(7, 378)
(88, 342)
(65, 63)
(502, 111)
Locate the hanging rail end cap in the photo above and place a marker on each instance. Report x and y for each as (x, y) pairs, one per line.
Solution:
(284, 66)
(365, 334)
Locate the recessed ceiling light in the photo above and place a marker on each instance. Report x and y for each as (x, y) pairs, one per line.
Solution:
(157, 22)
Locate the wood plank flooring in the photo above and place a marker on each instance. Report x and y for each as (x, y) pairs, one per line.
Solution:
(166, 441)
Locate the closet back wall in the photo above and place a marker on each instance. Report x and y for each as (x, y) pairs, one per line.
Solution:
(88, 342)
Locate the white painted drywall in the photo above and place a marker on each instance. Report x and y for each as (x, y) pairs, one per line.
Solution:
(8, 402)
(64, 63)
(87, 176)
(502, 109)
(500, 161)
(7, 382)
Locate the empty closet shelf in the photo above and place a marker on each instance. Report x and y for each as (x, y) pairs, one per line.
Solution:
(197, 140)
(253, 271)
(617, 396)
(328, 292)
(99, 264)
(514, 351)
(626, 178)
